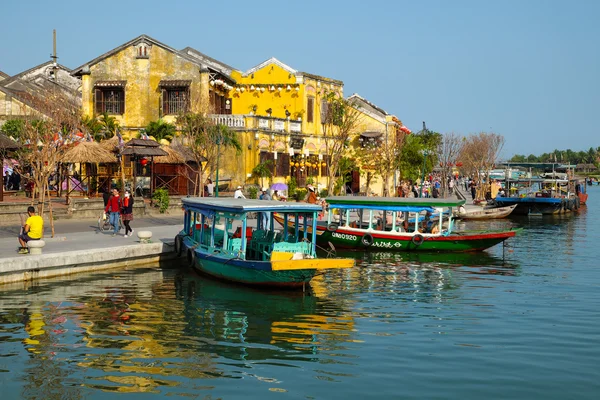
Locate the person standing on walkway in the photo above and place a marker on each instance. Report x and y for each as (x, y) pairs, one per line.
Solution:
(32, 230)
(114, 208)
(127, 212)
(210, 187)
(265, 215)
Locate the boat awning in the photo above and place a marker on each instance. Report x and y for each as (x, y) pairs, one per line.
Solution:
(239, 206)
(410, 204)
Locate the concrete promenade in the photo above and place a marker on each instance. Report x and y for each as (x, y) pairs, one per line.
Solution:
(78, 246)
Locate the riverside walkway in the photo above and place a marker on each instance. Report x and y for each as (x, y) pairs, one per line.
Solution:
(79, 246)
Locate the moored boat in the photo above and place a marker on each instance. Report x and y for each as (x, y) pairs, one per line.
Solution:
(217, 240)
(539, 196)
(486, 213)
(395, 224)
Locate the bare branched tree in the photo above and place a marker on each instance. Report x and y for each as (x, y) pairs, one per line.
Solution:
(54, 117)
(448, 151)
(479, 155)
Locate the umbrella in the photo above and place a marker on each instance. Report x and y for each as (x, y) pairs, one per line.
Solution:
(279, 186)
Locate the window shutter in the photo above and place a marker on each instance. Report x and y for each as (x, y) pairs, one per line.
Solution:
(310, 109)
(283, 164)
(324, 108)
(165, 102)
(324, 168)
(98, 100)
(122, 102)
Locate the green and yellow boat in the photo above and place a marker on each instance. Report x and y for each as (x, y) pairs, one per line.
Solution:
(217, 240)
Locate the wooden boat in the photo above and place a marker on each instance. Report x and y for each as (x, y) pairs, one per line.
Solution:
(346, 227)
(250, 256)
(486, 213)
(539, 196)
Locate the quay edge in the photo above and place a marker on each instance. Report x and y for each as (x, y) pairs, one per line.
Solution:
(21, 269)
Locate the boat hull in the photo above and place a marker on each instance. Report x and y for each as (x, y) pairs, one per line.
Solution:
(455, 242)
(539, 205)
(492, 213)
(281, 273)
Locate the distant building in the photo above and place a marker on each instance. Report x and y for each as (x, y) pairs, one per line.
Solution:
(18, 93)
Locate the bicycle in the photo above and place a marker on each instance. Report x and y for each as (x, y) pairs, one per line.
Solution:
(104, 224)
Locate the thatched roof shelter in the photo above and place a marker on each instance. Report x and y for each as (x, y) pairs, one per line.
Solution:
(88, 152)
(172, 157)
(110, 144)
(143, 147)
(8, 144)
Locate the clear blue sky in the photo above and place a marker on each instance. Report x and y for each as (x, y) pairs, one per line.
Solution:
(525, 69)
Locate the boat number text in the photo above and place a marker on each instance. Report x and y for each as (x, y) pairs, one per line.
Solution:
(344, 236)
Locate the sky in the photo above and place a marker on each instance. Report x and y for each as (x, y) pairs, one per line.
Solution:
(527, 69)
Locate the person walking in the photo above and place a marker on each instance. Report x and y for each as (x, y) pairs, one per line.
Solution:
(127, 213)
(32, 230)
(114, 208)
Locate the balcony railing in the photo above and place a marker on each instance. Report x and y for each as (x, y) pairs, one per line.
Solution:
(239, 121)
(231, 120)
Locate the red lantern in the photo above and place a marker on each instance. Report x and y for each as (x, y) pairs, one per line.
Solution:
(459, 164)
(143, 161)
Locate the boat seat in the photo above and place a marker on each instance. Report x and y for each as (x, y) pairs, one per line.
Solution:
(235, 245)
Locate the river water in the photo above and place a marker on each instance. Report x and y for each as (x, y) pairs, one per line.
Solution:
(517, 321)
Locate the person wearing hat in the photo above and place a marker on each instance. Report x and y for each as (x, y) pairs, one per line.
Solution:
(312, 196)
(238, 193)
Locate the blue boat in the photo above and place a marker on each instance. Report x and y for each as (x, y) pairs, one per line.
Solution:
(539, 196)
(217, 240)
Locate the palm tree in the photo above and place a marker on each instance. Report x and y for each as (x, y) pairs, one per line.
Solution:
(109, 124)
(93, 127)
(160, 130)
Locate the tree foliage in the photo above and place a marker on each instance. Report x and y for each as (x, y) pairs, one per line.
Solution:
(340, 122)
(206, 140)
(160, 130)
(13, 128)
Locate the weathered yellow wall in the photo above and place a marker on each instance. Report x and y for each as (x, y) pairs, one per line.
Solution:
(142, 91)
(294, 100)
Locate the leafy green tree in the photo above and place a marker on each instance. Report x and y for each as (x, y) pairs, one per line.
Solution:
(160, 130)
(94, 127)
(13, 127)
(109, 124)
(206, 140)
(262, 171)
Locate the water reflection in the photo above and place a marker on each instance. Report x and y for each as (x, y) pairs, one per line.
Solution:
(151, 331)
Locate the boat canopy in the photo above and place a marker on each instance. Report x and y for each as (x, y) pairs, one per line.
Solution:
(210, 205)
(404, 204)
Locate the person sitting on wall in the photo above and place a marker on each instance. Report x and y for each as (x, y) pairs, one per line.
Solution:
(33, 230)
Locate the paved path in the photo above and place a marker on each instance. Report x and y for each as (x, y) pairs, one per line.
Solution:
(84, 235)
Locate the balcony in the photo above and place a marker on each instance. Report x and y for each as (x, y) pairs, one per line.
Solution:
(259, 123)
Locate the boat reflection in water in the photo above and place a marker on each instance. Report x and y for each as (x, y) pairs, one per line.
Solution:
(264, 324)
(157, 331)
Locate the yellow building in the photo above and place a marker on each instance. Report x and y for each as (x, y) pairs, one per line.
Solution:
(144, 80)
(280, 112)
(375, 126)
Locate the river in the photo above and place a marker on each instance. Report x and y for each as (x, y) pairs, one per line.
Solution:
(517, 321)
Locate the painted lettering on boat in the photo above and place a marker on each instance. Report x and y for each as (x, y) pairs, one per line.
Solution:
(344, 236)
(387, 245)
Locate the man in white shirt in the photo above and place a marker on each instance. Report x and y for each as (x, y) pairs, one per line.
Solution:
(210, 187)
(238, 193)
